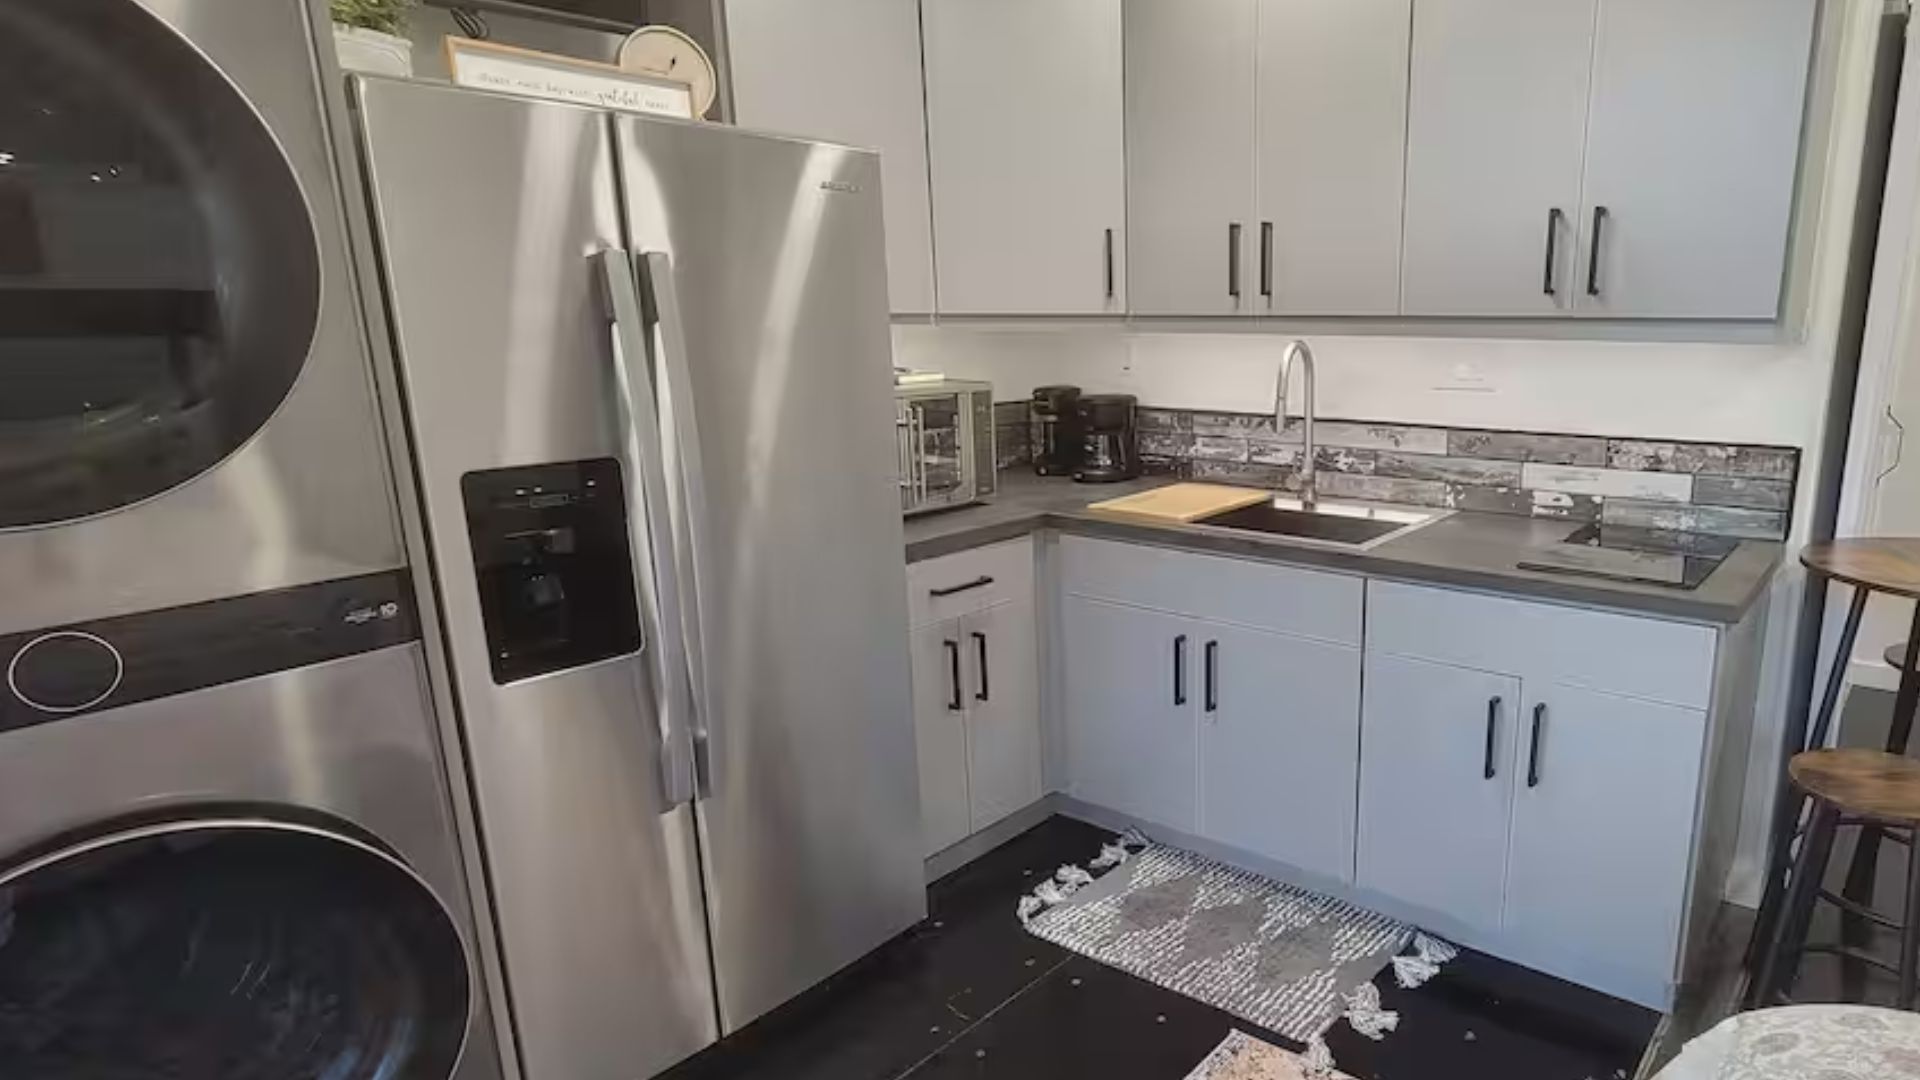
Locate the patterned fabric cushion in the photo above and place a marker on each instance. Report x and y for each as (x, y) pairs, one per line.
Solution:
(1805, 1042)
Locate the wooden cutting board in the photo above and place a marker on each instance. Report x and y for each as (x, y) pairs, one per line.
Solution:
(1184, 502)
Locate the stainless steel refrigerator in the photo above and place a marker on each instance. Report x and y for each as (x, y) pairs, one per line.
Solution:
(644, 373)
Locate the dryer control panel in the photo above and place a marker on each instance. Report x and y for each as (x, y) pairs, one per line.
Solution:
(109, 663)
(555, 566)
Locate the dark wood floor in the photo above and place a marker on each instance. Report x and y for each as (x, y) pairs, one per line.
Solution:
(971, 994)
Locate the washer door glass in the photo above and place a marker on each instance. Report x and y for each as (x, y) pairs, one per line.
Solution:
(228, 951)
(159, 275)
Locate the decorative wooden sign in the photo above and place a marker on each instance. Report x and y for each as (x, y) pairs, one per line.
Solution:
(484, 65)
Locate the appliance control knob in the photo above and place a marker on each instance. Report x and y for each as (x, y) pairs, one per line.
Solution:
(66, 671)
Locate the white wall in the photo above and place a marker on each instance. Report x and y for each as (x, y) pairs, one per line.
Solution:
(1753, 393)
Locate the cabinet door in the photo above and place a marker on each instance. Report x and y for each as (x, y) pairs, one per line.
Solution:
(1332, 128)
(940, 728)
(1191, 231)
(846, 71)
(1279, 746)
(1691, 148)
(1003, 711)
(1433, 822)
(1132, 680)
(1495, 133)
(1028, 155)
(1601, 831)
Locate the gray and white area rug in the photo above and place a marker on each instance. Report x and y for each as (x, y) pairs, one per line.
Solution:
(1275, 955)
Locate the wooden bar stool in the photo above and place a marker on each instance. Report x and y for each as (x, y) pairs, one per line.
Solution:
(1872, 789)
(1889, 566)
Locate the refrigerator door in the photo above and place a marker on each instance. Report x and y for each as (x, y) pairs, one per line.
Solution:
(765, 277)
(495, 217)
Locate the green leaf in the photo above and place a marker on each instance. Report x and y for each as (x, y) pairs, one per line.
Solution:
(386, 16)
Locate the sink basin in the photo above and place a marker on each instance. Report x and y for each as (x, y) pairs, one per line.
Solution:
(1339, 524)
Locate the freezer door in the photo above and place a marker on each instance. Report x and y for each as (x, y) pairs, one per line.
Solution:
(494, 218)
(764, 273)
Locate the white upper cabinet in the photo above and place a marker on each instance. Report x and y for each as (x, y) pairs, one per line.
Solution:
(846, 71)
(1691, 146)
(1494, 151)
(1331, 135)
(1190, 170)
(1027, 146)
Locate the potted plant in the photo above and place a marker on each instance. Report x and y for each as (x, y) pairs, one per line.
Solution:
(370, 35)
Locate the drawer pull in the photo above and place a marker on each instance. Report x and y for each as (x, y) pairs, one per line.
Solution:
(980, 582)
(1213, 676)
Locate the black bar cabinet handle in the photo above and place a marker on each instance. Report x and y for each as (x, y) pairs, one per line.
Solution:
(1554, 217)
(1533, 747)
(1233, 259)
(980, 644)
(1493, 725)
(1266, 259)
(953, 674)
(1593, 252)
(1213, 676)
(980, 582)
(1180, 670)
(1109, 257)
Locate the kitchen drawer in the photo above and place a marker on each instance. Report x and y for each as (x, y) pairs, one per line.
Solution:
(1646, 658)
(1263, 596)
(983, 577)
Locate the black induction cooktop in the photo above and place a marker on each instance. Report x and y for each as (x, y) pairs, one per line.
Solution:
(1677, 560)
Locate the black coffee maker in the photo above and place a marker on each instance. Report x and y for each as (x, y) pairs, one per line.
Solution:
(1054, 421)
(1108, 450)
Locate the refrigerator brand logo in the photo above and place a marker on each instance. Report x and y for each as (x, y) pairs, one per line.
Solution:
(841, 186)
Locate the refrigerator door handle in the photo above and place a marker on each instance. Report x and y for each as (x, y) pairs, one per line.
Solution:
(688, 498)
(646, 493)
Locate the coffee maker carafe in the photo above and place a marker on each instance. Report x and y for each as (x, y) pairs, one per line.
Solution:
(1054, 417)
(1108, 452)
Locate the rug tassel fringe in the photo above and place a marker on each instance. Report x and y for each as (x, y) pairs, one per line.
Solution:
(1317, 1062)
(1429, 953)
(1366, 1015)
(1070, 879)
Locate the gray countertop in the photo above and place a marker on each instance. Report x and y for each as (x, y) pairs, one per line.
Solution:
(1471, 550)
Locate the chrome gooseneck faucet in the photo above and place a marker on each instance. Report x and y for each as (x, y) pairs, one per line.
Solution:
(1299, 350)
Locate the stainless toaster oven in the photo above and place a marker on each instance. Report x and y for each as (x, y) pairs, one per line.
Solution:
(944, 435)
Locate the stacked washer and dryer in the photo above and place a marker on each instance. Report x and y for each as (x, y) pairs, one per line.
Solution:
(227, 843)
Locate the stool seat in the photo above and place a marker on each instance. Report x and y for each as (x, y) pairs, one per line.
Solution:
(1864, 783)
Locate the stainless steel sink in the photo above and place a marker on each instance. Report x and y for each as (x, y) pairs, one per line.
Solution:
(1335, 524)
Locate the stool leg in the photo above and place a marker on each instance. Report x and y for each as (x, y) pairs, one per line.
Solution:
(1803, 888)
(1789, 802)
(1910, 927)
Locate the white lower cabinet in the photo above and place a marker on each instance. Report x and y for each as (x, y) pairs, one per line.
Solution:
(1603, 811)
(976, 690)
(1191, 719)
(1129, 694)
(1003, 711)
(1279, 741)
(1436, 786)
(940, 728)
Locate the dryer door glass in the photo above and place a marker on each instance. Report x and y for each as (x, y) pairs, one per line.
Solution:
(159, 273)
(224, 951)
